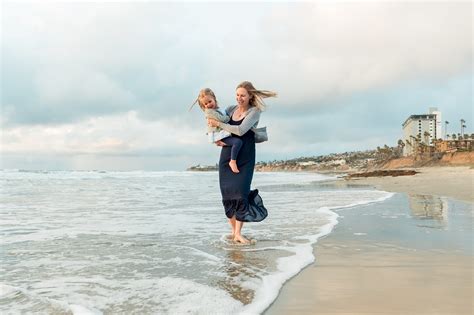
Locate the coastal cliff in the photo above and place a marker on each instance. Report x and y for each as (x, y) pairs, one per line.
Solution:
(350, 162)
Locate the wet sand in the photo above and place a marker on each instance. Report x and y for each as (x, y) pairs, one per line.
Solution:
(360, 278)
(454, 182)
(412, 254)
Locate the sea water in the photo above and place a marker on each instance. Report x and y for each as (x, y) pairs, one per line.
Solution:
(155, 242)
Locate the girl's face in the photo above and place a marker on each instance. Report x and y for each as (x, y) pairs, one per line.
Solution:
(208, 102)
(242, 97)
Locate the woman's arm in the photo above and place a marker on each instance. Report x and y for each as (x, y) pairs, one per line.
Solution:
(252, 117)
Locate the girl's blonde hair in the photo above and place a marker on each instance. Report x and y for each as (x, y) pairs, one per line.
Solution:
(204, 92)
(256, 96)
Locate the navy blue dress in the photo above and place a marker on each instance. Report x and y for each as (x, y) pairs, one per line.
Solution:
(237, 198)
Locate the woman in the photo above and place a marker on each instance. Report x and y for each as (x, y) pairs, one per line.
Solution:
(240, 204)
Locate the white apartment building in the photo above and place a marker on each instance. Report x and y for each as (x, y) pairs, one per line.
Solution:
(435, 111)
(415, 127)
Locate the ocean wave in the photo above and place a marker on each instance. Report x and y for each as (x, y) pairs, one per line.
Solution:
(151, 242)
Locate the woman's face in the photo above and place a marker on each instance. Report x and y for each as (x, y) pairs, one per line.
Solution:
(242, 97)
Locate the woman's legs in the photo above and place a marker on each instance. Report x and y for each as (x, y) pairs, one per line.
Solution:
(237, 236)
(232, 226)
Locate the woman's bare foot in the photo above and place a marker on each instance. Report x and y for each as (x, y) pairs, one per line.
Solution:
(242, 240)
(230, 237)
(233, 166)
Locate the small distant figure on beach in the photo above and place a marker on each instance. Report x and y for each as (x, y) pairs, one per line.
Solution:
(240, 203)
(208, 102)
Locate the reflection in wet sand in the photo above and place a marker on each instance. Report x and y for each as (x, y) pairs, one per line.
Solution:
(238, 268)
(245, 267)
(428, 207)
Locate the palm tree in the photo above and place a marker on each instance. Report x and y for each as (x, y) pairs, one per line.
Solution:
(416, 142)
(401, 145)
(446, 123)
(426, 134)
(410, 149)
(454, 136)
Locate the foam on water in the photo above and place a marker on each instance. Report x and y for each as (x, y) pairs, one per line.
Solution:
(167, 295)
(81, 310)
(154, 242)
(27, 301)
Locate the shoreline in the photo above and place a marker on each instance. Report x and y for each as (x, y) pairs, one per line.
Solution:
(456, 182)
(358, 278)
(386, 262)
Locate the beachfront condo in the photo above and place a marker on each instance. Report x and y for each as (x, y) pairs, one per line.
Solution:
(421, 129)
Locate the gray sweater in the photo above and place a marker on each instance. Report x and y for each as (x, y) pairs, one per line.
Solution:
(217, 115)
(250, 121)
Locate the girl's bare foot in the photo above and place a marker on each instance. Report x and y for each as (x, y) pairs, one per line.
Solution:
(242, 240)
(230, 236)
(233, 166)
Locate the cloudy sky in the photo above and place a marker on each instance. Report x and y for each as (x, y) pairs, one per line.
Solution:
(107, 85)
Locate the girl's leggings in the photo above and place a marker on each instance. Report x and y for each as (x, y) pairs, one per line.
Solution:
(235, 143)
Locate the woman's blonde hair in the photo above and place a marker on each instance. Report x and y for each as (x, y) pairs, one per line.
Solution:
(204, 92)
(256, 96)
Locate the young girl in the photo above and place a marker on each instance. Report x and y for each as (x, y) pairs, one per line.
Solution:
(208, 103)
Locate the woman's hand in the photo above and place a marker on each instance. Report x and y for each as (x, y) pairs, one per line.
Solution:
(212, 122)
(220, 143)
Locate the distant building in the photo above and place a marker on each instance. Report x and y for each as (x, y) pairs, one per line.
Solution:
(435, 111)
(309, 163)
(421, 128)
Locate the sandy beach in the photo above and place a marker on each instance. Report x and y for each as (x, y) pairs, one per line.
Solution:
(454, 182)
(411, 255)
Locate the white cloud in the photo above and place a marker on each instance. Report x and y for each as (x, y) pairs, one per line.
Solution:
(122, 133)
(143, 56)
(64, 84)
(116, 78)
(336, 49)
